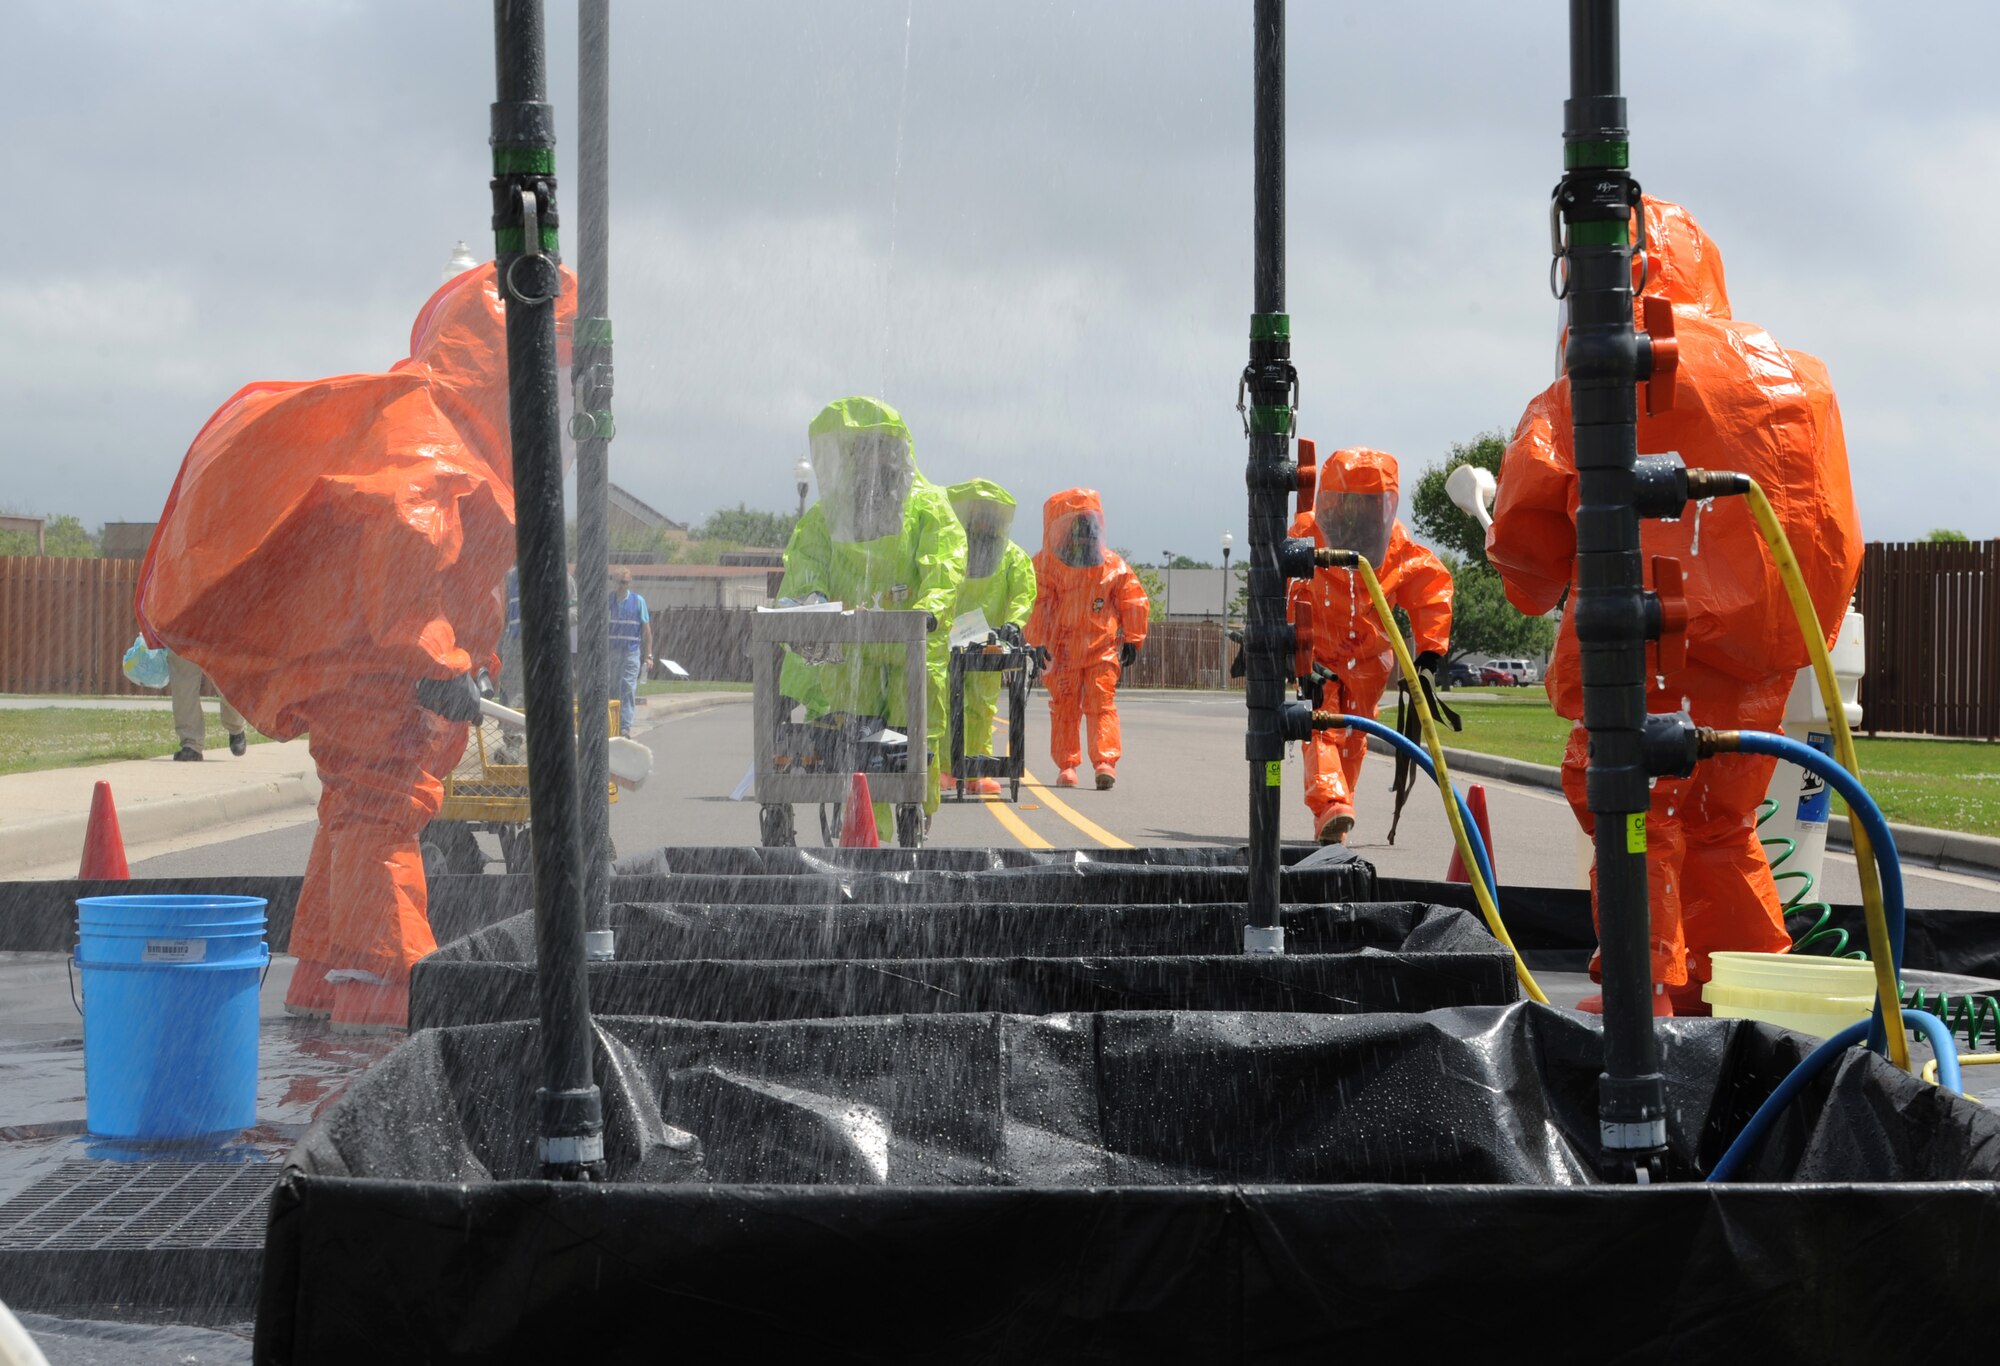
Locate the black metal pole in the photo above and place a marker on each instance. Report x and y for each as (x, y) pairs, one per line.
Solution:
(590, 380)
(525, 241)
(1605, 358)
(1272, 387)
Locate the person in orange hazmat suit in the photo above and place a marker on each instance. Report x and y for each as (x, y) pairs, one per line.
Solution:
(1355, 509)
(329, 548)
(1086, 598)
(1746, 404)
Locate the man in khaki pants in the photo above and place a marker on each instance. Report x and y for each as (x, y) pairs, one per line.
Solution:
(184, 680)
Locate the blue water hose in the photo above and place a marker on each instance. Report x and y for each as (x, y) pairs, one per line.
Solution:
(1862, 807)
(1816, 1062)
(1422, 759)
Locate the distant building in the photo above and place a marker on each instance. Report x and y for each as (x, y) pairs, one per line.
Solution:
(760, 557)
(738, 587)
(127, 540)
(630, 517)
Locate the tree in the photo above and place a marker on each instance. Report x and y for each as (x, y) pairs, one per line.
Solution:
(1187, 562)
(1438, 518)
(748, 526)
(1942, 536)
(63, 537)
(1150, 580)
(1483, 621)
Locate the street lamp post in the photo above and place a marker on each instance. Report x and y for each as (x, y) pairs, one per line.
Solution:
(802, 473)
(1222, 674)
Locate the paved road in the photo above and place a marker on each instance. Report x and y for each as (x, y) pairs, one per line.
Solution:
(1182, 781)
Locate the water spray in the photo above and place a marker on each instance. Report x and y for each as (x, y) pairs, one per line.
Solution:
(1271, 386)
(591, 426)
(526, 245)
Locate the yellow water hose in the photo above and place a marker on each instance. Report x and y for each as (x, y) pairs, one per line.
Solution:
(1887, 989)
(1480, 890)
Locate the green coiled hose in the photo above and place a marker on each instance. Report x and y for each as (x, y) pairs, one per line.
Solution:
(1821, 935)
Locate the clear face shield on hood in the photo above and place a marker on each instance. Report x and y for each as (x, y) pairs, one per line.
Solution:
(1077, 539)
(865, 478)
(1356, 521)
(987, 525)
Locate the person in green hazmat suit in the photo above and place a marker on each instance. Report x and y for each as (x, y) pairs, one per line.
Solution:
(881, 536)
(1000, 583)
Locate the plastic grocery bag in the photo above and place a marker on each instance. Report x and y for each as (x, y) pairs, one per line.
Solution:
(146, 667)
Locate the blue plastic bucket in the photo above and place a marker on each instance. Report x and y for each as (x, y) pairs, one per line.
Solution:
(170, 986)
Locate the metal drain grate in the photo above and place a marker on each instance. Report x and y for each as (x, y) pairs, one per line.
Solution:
(144, 1206)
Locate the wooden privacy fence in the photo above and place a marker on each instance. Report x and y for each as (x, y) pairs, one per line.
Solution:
(65, 624)
(1933, 638)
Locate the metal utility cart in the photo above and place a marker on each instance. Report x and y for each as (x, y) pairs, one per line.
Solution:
(487, 790)
(1011, 662)
(815, 761)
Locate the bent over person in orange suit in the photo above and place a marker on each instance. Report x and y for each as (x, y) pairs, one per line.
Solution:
(1086, 597)
(1747, 404)
(328, 552)
(1355, 509)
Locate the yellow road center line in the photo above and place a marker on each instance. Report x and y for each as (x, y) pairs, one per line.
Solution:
(1015, 826)
(1090, 828)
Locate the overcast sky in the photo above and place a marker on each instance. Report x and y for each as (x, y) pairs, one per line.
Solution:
(1055, 285)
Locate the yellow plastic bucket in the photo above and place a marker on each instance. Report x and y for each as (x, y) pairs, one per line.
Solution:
(1818, 996)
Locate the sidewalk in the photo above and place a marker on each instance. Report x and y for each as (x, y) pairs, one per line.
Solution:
(43, 815)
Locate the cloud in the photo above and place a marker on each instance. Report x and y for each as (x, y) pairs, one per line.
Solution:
(1054, 286)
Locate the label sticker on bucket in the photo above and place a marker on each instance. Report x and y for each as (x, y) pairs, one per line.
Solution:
(1274, 773)
(175, 951)
(1815, 797)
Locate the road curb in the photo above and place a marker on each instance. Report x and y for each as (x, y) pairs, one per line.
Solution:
(57, 839)
(1914, 843)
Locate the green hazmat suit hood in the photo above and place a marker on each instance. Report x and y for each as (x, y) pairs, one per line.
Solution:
(866, 465)
(986, 511)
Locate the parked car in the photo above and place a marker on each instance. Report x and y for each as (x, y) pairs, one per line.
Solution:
(1488, 674)
(1523, 670)
(1457, 675)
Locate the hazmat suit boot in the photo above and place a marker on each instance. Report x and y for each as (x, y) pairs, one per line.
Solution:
(310, 995)
(1334, 826)
(881, 537)
(1354, 508)
(1743, 403)
(986, 787)
(1066, 777)
(1663, 1003)
(1089, 609)
(1107, 777)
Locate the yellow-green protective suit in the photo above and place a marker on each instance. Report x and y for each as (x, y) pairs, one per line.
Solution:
(880, 536)
(999, 581)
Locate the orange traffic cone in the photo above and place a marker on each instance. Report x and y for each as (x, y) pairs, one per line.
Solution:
(1475, 797)
(857, 820)
(103, 846)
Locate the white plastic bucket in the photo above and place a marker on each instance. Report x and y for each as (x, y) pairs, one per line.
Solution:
(1814, 995)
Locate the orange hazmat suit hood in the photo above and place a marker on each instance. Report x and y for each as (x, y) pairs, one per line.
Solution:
(1073, 532)
(1684, 266)
(347, 534)
(1354, 507)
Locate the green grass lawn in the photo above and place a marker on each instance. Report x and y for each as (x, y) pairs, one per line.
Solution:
(64, 737)
(1949, 784)
(672, 686)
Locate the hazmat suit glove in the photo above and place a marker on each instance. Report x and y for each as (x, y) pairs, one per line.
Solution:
(1010, 633)
(1044, 656)
(1127, 652)
(455, 699)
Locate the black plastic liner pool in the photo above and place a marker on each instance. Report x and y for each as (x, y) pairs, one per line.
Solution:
(799, 962)
(1165, 1186)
